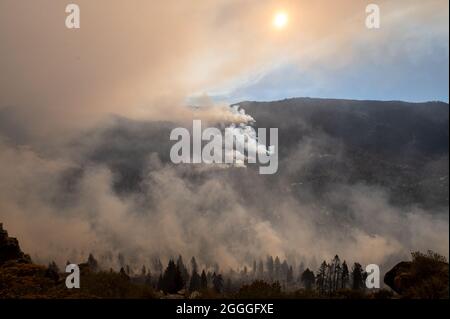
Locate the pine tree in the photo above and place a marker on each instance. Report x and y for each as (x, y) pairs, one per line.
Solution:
(357, 277)
(172, 280)
(194, 267)
(336, 270)
(322, 277)
(92, 263)
(121, 260)
(301, 270)
(203, 281)
(157, 266)
(307, 279)
(195, 282)
(290, 275)
(328, 279)
(160, 284)
(52, 271)
(216, 268)
(148, 279)
(260, 270)
(277, 268)
(344, 275)
(128, 270)
(183, 270)
(217, 283)
(53, 267)
(270, 267)
(228, 285)
(123, 273)
(284, 268)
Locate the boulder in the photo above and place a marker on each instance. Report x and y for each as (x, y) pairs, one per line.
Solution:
(10, 249)
(399, 278)
(422, 278)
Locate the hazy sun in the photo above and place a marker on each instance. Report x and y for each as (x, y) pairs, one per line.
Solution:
(280, 20)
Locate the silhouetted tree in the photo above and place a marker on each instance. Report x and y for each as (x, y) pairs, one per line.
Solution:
(270, 266)
(121, 260)
(336, 271)
(217, 282)
(159, 285)
(92, 263)
(228, 285)
(322, 277)
(328, 279)
(277, 268)
(195, 283)
(301, 270)
(172, 280)
(128, 270)
(290, 275)
(284, 269)
(52, 271)
(345, 276)
(307, 279)
(244, 272)
(183, 270)
(357, 277)
(194, 267)
(54, 267)
(203, 280)
(216, 268)
(209, 276)
(148, 279)
(123, 273)
(157, 265)
(260, 269)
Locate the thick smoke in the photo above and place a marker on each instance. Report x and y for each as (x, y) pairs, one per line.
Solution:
(85, 118)
(110, 197)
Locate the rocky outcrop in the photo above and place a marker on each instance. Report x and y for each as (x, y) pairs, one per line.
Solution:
(10, 249)
(425, 278)
(399, 278)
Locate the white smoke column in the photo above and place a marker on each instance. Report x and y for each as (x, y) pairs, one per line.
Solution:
(245, 139)
(206, 109)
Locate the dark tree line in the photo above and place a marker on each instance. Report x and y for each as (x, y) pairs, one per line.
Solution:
(335, 276)
(176, 276)
(272, 279)
(172, 280)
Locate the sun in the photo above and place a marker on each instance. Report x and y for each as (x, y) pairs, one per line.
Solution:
(280, 20)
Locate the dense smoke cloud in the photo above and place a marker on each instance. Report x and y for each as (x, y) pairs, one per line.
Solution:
(77, 175)
(67, 207)
(144, 59)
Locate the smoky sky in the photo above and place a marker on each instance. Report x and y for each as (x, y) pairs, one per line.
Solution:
(143, 59)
